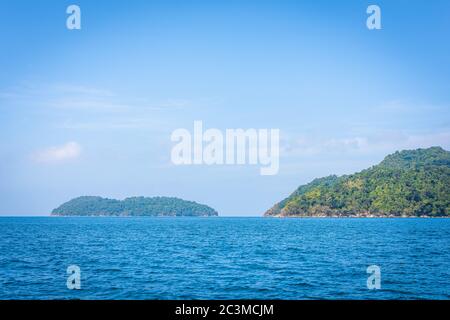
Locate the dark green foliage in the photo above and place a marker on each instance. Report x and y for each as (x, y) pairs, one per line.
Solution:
(136, 206)
(406, 183)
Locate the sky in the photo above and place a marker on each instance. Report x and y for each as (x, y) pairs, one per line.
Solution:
(91, 111)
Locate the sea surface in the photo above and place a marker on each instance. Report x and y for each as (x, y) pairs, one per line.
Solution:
(224, 258)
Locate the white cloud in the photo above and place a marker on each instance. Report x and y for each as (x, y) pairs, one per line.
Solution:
(56, 154)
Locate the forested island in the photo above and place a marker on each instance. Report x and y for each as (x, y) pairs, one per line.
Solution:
(135, 206)
(410, 183)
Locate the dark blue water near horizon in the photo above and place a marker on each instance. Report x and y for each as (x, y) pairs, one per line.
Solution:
(224, 258)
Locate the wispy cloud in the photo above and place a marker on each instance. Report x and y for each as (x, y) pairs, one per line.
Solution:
(141, 123)
(83, 98)
(175, 103)
(80, 107)
(56, 154)
(376, 143)
(63, 96)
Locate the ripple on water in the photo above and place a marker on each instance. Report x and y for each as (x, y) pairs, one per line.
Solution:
(224, 258)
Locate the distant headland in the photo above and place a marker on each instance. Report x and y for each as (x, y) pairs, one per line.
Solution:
(135, 206)
(410, 183)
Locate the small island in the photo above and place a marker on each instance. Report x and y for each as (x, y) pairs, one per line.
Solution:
(410, 183)
(135, 206)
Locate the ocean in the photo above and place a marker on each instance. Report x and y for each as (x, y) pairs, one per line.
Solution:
(224, 258)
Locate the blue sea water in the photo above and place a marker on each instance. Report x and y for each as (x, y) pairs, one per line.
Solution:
(224, 258)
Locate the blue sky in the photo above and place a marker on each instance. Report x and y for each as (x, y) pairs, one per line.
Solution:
(90, 111)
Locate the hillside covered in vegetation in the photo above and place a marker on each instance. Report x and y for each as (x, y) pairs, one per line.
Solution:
(406, 183)
(136, 206)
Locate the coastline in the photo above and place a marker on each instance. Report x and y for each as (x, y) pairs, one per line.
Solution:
(355, 216)
(262, 216)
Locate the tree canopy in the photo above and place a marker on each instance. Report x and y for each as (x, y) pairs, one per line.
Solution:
(135, 206)
(406, 183)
